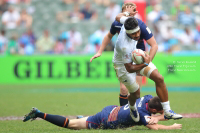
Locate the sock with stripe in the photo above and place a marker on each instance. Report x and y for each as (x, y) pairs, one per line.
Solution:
(54, 119)
(123, 99)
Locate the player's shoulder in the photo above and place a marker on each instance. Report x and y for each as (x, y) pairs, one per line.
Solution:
(141, 24)
(139, 21)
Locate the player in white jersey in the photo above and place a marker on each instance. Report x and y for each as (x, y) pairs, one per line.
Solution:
(126, 70)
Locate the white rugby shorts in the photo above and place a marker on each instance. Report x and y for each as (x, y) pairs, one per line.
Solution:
(129, 79)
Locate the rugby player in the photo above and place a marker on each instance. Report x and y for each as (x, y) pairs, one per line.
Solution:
(126, 70)
(115, 28)
(126, 43)
(111, 117)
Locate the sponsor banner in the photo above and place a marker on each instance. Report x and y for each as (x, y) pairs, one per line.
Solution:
(76, 69)
(57, 70)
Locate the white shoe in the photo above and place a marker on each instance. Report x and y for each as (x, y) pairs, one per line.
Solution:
(171, 115)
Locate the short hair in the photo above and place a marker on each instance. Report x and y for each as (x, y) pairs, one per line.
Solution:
(131, 23)
(127, 4)
(154, 103)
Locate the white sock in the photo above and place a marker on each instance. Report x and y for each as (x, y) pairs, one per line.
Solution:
(132, 107)
(165, 106)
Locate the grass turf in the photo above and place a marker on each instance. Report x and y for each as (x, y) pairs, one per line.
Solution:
(190, 125)
(17, 102)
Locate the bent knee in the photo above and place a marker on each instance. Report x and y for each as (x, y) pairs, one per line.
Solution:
(123, 90)
(159, 79)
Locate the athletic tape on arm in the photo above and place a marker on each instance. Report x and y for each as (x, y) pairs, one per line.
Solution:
(123, 19)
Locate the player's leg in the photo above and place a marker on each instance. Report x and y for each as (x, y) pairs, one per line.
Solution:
(162, 93)
(123, 96)
(57, 119)
(129, 80)
(133, 97)
(160, 85)
(78, 123)
(151, 72)
(139, 81)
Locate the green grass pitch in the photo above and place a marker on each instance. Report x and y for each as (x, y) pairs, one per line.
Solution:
(17, 102)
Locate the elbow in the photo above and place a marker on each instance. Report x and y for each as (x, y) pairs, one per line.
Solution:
(130, 70)
(117, 19)
(155, 46)
(154, 128)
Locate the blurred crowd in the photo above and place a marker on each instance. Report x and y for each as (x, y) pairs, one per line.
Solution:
(176, 28)
(179, 28)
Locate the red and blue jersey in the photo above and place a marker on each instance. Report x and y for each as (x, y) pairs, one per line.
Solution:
(146, 34)
(112, 117)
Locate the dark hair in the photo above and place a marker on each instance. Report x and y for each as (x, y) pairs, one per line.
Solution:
(130, 23)
(154, 103)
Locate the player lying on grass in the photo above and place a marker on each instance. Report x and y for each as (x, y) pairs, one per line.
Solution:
(111, 117)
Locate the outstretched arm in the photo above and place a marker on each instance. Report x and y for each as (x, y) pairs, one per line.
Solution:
(157, 126)
(154, 47)
(156, 118)
(105, 42)
(108, 37)
(130, 11)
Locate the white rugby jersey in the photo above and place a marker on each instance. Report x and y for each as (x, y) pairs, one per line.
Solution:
(123, 48)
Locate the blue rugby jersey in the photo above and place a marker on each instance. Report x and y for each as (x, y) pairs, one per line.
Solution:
(112, 117)
(146, 33)
(124, 118)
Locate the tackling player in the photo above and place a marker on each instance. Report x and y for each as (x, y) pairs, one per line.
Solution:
(145, 35)
(111, 117)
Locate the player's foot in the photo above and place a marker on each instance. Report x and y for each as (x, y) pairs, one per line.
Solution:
(31, 115)
(134, 114)
(171, 115)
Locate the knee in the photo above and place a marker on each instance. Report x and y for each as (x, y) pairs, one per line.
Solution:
(159, 79)
(123, 90)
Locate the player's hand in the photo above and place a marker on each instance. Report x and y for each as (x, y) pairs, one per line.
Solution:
(146, 58)
(177, 126)
(95, 56)
(152, 120)
(131, 10)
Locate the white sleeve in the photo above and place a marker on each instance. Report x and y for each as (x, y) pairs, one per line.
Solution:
(123, 19)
